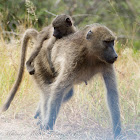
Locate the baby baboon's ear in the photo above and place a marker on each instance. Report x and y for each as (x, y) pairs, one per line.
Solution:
(89, 35)
(68, 21)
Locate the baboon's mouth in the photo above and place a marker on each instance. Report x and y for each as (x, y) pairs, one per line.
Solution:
(111, 61)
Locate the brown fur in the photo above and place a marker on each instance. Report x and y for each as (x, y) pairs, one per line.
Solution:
(58, 23)
(77, 58)
(61, 26)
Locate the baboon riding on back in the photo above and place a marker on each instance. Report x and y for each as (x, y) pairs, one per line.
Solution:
(77, 58)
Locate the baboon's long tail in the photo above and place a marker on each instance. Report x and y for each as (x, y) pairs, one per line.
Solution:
(30, 33)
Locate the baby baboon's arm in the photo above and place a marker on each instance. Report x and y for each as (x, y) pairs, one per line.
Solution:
(49, 48)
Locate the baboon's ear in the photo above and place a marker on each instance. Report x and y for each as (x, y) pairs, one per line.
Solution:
(68, 21)
(89, 35)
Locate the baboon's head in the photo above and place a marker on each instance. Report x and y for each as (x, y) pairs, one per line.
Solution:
(63, 25)
(102, 43)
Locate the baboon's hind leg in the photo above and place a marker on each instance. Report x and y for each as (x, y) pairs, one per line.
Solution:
(65, 99)
(58, 91)
(68, 96)
(38, 112)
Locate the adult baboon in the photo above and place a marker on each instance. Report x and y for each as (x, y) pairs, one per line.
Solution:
(61, 26)
(77, 58)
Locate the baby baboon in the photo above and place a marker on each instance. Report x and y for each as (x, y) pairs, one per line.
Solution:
(61, 26)
(77, 58)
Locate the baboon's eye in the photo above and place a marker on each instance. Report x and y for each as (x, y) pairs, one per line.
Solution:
(108, 43)
(89, 34)
(56, 28)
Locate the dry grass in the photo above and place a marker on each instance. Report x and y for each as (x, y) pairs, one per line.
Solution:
(85, 116)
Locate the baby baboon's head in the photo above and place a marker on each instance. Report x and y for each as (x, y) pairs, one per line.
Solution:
(63, 25)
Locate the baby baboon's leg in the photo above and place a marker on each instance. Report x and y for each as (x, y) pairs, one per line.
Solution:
(38, 46)
(113, 99)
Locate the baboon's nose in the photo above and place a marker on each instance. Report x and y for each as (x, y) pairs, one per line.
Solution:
(115, 58)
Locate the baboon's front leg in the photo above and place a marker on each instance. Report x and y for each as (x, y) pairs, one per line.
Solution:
(113, 99)
(59, 88)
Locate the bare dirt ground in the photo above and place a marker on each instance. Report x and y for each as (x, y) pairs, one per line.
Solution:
(23, 126)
